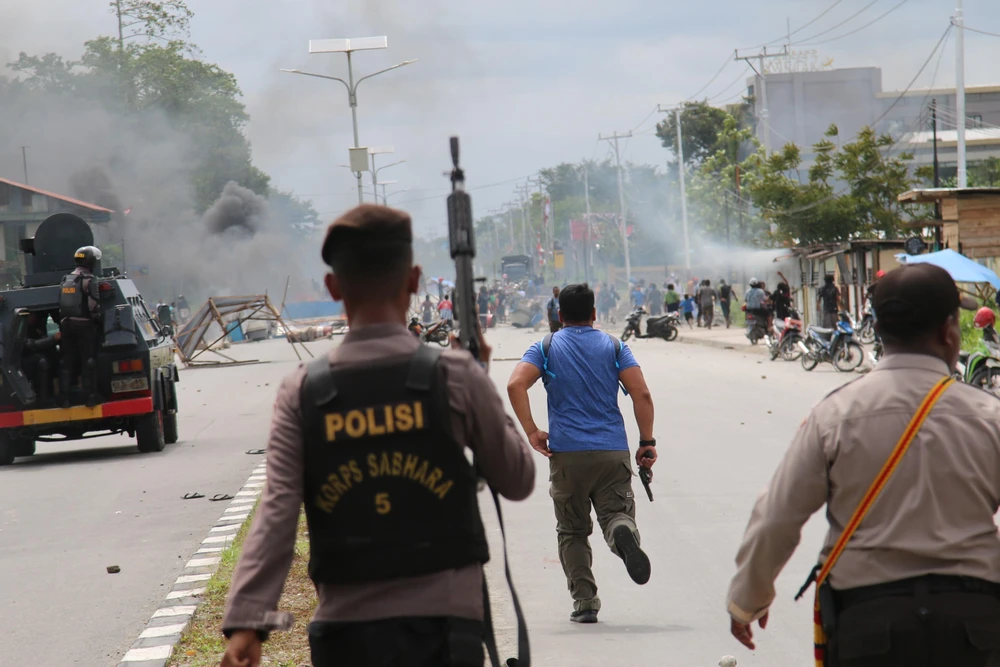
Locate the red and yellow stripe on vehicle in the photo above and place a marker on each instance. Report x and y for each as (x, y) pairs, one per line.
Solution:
(132, 406)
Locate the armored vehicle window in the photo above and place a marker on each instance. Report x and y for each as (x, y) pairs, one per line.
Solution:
(142, 317)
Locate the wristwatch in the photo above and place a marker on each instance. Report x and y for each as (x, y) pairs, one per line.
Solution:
(648, 443)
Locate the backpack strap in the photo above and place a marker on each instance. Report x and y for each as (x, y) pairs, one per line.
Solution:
(543, 346)
(319, 386)
(423, 368)
(619, 346)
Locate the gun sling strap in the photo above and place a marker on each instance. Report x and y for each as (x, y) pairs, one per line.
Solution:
(819, 573)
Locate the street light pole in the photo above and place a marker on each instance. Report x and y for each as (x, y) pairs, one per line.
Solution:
(348, 46)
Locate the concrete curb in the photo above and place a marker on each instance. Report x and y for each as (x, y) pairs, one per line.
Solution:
(157, 641)
(722, 345)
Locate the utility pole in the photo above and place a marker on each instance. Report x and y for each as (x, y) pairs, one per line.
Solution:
(680, 173)
(510, 226)
(761, 72)
(937, 174)
(589, 256)
(959, 22)
(24, 161)
(613, 140)
(522, 191)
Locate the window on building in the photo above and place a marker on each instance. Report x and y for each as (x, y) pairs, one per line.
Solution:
(26, 197)
(4, 195)
(975, 120)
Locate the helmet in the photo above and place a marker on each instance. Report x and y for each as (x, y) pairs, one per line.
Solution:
(87, 256)
(984, 318)
(880, 274)
(754, 282)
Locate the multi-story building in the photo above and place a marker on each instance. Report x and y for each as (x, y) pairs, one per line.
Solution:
(803, 104)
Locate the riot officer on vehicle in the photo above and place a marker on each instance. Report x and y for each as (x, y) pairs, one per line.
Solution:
(371, 437)
(79, 316)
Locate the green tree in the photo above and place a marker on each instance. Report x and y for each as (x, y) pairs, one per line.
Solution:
(700, 127)
(146, 73)
(851, 191)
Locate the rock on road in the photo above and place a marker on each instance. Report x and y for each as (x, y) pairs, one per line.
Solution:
(73, 509)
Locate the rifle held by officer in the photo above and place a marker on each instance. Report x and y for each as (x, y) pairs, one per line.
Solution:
(463, 248)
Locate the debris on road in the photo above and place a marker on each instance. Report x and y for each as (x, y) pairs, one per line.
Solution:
(114, 569)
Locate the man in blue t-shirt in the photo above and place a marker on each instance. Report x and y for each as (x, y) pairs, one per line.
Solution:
(586, 444)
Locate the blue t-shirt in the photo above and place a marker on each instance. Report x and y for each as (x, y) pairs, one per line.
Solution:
(583, 395)
(688, 304)
(639, 298)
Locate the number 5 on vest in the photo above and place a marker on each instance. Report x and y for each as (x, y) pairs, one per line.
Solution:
(382, 504)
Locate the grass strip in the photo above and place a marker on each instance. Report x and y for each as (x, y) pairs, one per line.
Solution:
(202, 644)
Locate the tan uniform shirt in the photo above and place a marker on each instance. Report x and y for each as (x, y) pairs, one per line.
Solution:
(478, 422)
(935, 514)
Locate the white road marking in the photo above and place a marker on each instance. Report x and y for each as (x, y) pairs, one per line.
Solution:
(236, 508)
(162, 631)
(202, 562)
(191, 578)
(190, 593)
(234, 517)
(223, 529)
(217, 539)
(257, 478)
(253, 485)
(209, 550)
(248, 493)
(150, 653)
(183, 610)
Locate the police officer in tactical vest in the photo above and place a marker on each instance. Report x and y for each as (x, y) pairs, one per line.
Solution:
(371, 437)
(79, 316)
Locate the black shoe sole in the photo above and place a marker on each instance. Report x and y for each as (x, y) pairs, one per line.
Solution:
(636, 561)
(584, 617)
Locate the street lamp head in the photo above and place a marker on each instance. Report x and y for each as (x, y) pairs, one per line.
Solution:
(347, 45)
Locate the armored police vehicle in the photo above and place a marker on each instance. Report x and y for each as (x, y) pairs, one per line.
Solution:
(133, 375)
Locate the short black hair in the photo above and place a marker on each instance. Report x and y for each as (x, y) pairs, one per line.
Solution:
(914, 300)
(670, 286)
(370, 250)
(576, 303)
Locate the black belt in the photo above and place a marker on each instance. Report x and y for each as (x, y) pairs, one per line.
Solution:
(931, 583)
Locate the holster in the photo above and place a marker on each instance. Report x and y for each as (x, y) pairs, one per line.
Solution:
(827, 608)
(465, 642)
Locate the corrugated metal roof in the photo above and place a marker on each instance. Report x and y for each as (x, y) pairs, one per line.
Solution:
(68, 200)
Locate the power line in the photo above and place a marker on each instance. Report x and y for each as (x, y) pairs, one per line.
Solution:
(725, 90)
(725, 64)
(847, 20)
(856, 30)
(981, 32)
(797, 30)
(915, 76)
(478, 187)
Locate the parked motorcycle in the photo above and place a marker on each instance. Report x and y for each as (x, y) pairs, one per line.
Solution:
(981, 368)
(438, 333)
(866, 330)
(415, 327)
(836, 345)
(661, 326)
(788, 334)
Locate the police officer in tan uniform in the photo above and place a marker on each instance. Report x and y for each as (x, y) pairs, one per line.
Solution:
(372, 439)
(917, 582)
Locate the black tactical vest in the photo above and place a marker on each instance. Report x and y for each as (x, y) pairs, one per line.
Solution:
(72, 296)
(388, 491)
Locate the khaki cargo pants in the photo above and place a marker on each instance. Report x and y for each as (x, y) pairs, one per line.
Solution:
(579, 480)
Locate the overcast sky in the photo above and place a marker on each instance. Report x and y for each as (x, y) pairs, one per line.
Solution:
(525, 84)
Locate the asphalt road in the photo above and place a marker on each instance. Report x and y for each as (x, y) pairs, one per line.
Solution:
(723, 420)
(71, 510)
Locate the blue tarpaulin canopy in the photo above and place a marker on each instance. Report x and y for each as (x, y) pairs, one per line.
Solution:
(961, 268)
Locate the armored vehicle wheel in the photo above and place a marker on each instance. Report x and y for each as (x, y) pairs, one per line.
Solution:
(8, 449)
(170, 427)
(24, 447)
(149, 432)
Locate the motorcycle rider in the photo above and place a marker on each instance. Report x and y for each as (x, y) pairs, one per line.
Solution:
(986, 320)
